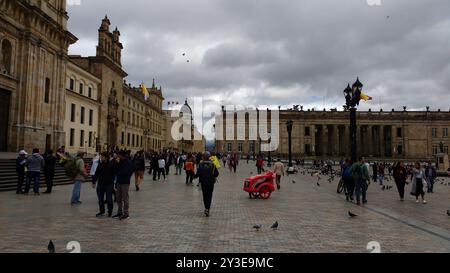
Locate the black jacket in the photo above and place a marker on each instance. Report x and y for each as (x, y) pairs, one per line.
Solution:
(207, 173)
(50, 163)
(124, 171)
(20, 165)
(104, 174)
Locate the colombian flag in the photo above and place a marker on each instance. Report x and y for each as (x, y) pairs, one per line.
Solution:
(145, 91)
(215, 161)
(365, 97)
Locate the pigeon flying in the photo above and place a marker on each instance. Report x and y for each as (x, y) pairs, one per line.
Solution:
(351, 214)
(51, 247)
(274, 226)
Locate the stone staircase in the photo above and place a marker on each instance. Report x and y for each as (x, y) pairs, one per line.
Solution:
(8, 176)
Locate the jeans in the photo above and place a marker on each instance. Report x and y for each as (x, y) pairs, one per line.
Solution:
(401, 188)
(430, 184)
(207, 190)
(155, 172)
(20, 181)
(76, 192)
(259, 169)
(189, 177)
(107, 190)
(123, 200)
(163, 172)
(178, 169)
(349, 187)
(381, 178)
(36, 177)
(49, 181)
(278, 179)
(361, 189)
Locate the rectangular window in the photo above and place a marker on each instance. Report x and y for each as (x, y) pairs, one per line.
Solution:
(47, 91)
(251, 147)
(82, 138)
(91, 117)
(434, 132)
(307, 131)
(72, 112)
(141, 142)
(132, 141)
(82, 115)
(229, 147)
(123, 116)
(445, 133)
(90, 92)
(307, 149)
(400, 150)
(435, 150)
(240, 147)
(122, 138)
(72, 84)
(72, 137)
(399, 132)
(90, 139)
(81, 88)
(128, 139)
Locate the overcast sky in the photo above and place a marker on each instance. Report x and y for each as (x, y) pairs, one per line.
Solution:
(280, 52)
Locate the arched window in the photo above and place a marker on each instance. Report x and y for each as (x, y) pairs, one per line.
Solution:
(6, 57)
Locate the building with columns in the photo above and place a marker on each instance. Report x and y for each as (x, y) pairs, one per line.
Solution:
(34, 43)
(325, 134)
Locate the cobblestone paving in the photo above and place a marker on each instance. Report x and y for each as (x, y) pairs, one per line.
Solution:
(167, 217)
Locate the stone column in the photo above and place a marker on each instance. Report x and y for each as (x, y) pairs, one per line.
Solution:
(347, 140)
(336, 142)
(370, 140)
(312, 133)
(381, 141)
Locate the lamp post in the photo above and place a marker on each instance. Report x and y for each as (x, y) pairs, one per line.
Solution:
(289, 125)
(352, 99)
(269, 162)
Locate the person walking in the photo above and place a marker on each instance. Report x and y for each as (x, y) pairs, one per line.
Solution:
(360, 175)
(375, 172)
(154, 166)
(162, 166)
(49, 170)
(400, 176)
(179, 164)
(349, 183)
(259, 164)
(430, 174)
(79, 178)
(21, 171)
(35, 164)
(278, 169)
(207, 174)
(189, 168)
(418, 182)
(381, 173)
(104, 179)
(124, 171)
(139, 163)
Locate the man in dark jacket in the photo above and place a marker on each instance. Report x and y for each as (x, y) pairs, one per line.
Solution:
(207, 174)
(49, 170)
(35, 164)
(430, 174)
(154, 166)
(20, 170)
(124, 171)
(104, 178)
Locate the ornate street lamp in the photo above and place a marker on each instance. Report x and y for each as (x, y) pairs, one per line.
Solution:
(269, 162)
(352, 99)
(289, 125)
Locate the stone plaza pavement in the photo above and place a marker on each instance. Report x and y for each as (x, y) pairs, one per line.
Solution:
(167, 217)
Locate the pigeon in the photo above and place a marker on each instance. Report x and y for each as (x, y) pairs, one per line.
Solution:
(293, 181)
(187, 61)
(51, 247)
(383, 188)
(351, 214)
(274, 226)
(448, 212)
(257, 227)
(318, 184)
(184, 54)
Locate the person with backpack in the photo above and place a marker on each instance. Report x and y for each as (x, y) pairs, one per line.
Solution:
(360, 175)
(103, 178)
(400, 176)
(207, 174)
(49, 170)
(77, 171)
(349, 183)
(124, 172)
(35, 163)
(189, 168)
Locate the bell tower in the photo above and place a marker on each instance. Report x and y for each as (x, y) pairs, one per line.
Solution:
(109, 44)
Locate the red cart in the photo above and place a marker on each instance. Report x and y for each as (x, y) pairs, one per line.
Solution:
(260, 186)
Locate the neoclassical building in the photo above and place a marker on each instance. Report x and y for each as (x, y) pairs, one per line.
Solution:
(325, 134)
(34, 43)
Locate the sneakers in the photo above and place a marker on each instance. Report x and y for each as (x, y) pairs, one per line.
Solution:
(424, 201)
(417, 201)
(365, 202)
(117, 216)
(124, 217)
(100, 214)
(76, 203)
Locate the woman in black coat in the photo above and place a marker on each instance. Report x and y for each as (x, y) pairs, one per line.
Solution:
(400, 175)
(104, 178)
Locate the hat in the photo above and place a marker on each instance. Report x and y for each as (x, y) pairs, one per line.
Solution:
(23, 152)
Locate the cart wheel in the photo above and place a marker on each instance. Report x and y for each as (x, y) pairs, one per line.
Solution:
(340, 187)
(253, 195)
(265, 192)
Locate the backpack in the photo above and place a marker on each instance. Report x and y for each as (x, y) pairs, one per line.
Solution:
(357, 172)
(71, 168)
(347, 172)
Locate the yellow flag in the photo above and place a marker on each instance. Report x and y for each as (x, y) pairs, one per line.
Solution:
(145, 91)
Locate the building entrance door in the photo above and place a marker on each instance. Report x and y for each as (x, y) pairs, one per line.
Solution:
(5, 97)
